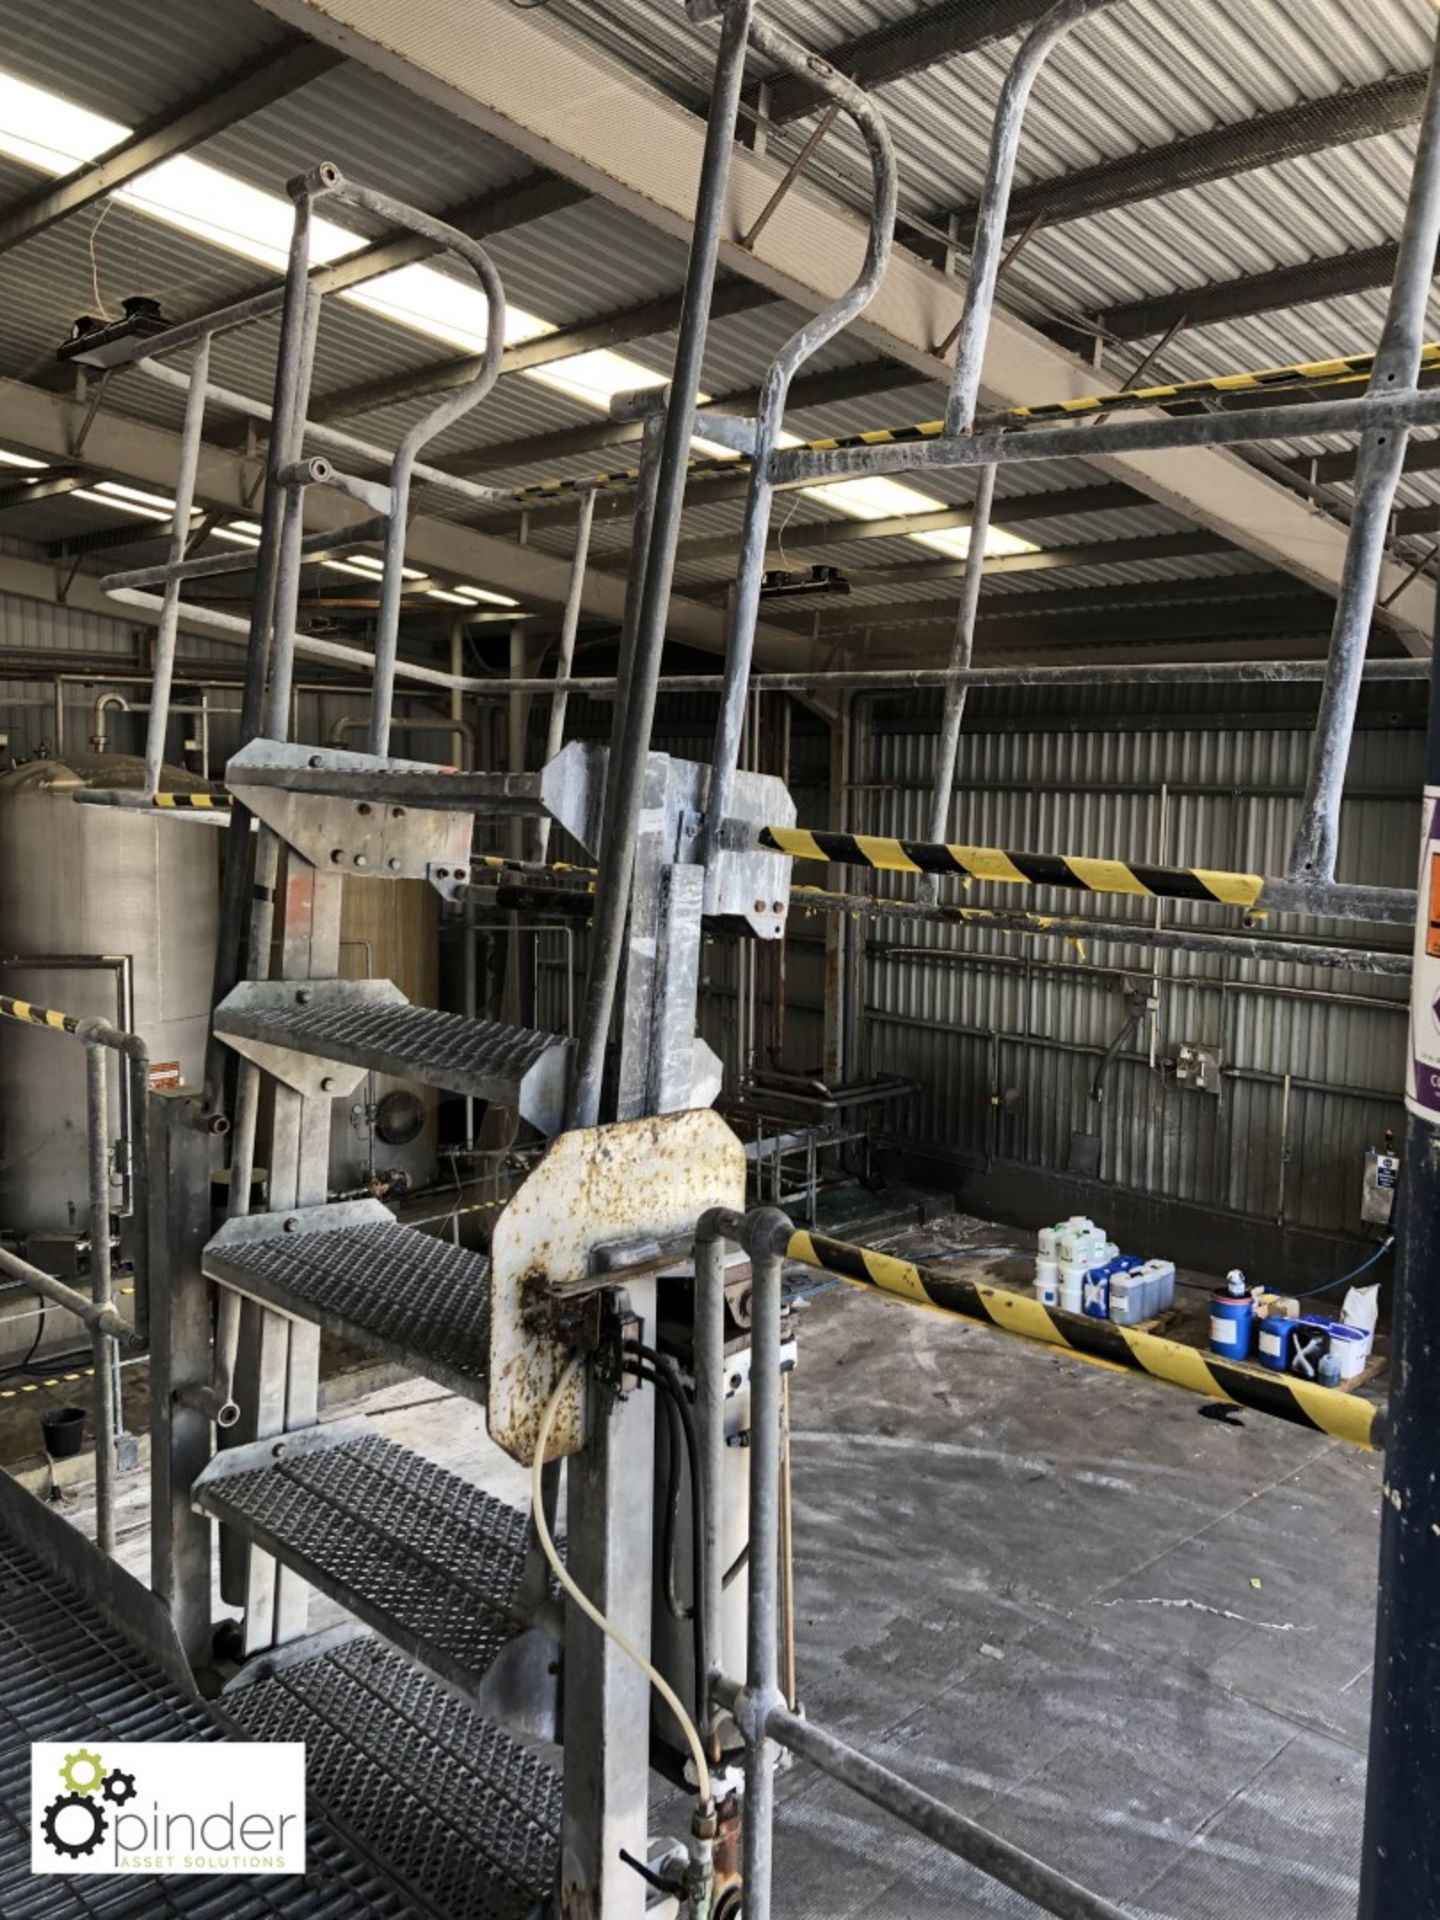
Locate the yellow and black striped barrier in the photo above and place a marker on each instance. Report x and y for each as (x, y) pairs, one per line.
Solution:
(1348, 369)
(12, 1009)
(37, 1386)
(1016, 869)
(1343, 1416)
(192, 802)
(506, 864)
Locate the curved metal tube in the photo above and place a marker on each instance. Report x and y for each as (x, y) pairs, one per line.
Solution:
(448, 409)
(802, 344)
(989, 245)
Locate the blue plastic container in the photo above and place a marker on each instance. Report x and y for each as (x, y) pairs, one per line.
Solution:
(1096, 1295)
(1272, 1341)
(1232, 1323)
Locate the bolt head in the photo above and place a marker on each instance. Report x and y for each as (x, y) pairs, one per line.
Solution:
(291, 1225)
(364, 807)
(317, 760)
(337, 855)
(760, 906)
(394, 866)
(361, 861)
(397, 813)
(327, 1085)
(303, 997)
(777, 906)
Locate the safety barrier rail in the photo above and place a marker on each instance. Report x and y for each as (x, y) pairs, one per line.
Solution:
(108, 1330)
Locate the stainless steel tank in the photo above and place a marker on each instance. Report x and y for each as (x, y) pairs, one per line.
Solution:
(137, 895)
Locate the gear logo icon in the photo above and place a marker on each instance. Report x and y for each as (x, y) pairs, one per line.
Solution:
(78, 1836)
(119, 1787)
(82, 1771)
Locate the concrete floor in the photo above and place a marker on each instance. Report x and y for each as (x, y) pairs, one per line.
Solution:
(1134, 1640)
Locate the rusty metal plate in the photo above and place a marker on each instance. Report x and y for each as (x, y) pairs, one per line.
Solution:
(595, 1189)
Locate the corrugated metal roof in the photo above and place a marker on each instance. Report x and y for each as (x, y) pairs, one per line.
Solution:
(1144, 73)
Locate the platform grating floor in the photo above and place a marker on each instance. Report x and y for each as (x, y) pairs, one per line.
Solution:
(66, 1674)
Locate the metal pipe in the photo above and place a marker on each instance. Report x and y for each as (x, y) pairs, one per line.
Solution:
(962, 649)
(1400, 1858)
(918, 679)
(168, 631)
(994, 206)
(565, 656)
(765, 1238)
(97, 1120)
(709, 1349)
(626, 779)
(1379, 464)
(95, 1319)
(462, 730)
(1012, 446)
(1044, 1886)
(806, 341)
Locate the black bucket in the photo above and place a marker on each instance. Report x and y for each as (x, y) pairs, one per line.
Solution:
(64, 1431)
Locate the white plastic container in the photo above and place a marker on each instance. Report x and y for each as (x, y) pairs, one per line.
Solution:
(1072, 1287)
(1045, 1242)
(1047, 1284)
(1128, 1294)
(1162, 1272)
(1351, 1347)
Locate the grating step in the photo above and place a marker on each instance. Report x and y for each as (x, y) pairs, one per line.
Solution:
(458, 1813)
(430, 1562)
(400, 1293)
(359, 1024)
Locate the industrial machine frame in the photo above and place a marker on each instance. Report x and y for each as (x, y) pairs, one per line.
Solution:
(675, 845)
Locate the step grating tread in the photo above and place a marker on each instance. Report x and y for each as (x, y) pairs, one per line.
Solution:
(465, 1817)
(446, 1050)
(403, 1293)
(428, 1560)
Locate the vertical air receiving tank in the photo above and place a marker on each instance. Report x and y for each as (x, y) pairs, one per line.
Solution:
(136, 893)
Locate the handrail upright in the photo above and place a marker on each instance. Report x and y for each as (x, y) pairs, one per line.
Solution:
(800, 347)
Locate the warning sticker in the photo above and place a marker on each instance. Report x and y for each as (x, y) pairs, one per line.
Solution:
(164, 1076)
(1422, 1082)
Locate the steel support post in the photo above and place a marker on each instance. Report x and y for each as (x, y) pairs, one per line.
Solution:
(609, 1518)
(962, 649)
(1378, 468)
(634, 722)
(180, 1538)
(837, 925)
(167, 632)
(97, 1122)
(1400, 1864)
(565, 655)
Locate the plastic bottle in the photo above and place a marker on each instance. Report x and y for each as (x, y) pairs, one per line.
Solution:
(1046, 1242)
(1072, 1287)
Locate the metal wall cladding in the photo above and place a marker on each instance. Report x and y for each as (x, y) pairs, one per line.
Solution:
(1312, 1060)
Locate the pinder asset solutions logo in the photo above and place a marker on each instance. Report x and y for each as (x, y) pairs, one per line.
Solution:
(167, 1807)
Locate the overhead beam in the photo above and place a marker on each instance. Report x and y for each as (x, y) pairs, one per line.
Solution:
(1020, 510)
(131, 450)
(259, 84)
(640, 322)
(1243, 603)
(1003, 566)
(49, 485)
(1337, 120)
(939, 33)
(519, 76)
(1204, 306)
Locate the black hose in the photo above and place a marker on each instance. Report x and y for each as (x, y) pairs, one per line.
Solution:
(661, 1372)
(674, 1604)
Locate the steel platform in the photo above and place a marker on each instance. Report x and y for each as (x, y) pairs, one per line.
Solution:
(394, 1290)
(69, 1671)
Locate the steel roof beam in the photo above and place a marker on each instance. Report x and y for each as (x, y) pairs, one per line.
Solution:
(1204, 306)
(146, 456)
(940, 33)
(235, 97)
(519, 76)
(1247, 608)
(1218, 153)
(53, 483)
(626, 324)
